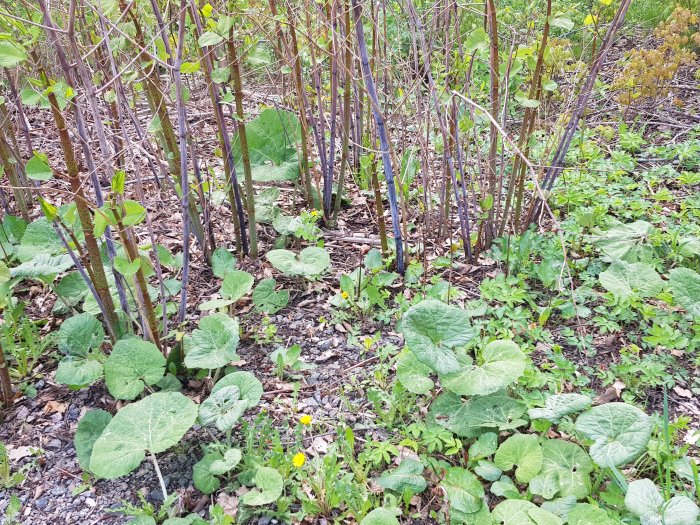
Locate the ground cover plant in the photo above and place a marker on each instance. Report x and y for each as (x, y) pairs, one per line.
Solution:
(342, 261)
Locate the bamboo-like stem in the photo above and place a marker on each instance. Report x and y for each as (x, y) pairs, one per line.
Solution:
(7, 396)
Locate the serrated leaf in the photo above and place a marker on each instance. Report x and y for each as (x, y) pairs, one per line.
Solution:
(133, 365)
(408, 476)
(627, 242)
(152, 425)
(620, 431)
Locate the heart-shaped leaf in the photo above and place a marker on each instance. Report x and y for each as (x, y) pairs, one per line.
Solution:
(627, 242)
(267, 299)
(685, 285)
(202, 476)
(269, 483)
(133, 365)
(408, 476)
(522, 450)
(90, 428)
(502, 364)
(565, 471)
(214, 343)
(560, 405)
(80, 334)
(471, 418)
(644, 499)
(78, 372)
(620, 431)
(625, 280)
(153, 425)
(222, 408)
(236, 284)
(380, 516)
(522, 512)
(432, 329)
(413, 374)
(310, 263)
(251, 390)
(464, 490)
(229, 460)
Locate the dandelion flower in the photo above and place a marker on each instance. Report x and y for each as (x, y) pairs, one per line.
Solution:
(299, 459)
(344, 295)
(305, 419)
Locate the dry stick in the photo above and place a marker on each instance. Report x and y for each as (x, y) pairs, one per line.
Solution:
(489, 227)
(383, 139)
(557, 164)
(328, 175)
(13, 176)
(7, 396)
(225, 141)
(235, 65)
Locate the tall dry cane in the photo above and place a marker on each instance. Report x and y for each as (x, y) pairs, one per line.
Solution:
(7, 396)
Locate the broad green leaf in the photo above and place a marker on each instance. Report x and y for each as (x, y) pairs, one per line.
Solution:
(588, 514)
(236, 284)
(565, 471)
(228, 461)
(470, 418)
(222, 408)
(265, 205)
(152, 425)
(413, 374)
(11, 53)
(267, 299)
(620, 432)
(90, 427)
(202, 476)
(272, 143)
(464, 490)
(37, 168)
(628, 242)
(685, 285)
(72, 288)
(644, 499)
(625, 280)
(126, 267)
(80, 334)
(214, 343)
(562, 22)
(502, 364)
(487, 470)
(133, 365)
(269, 483)
(209, 39)
(380, 516)
(310, 263)
(133, 213)
(522, 512)
(408, 476)
(432, 329)
(522, 450)
(485, 446)
(560, 405)
(78, 372)
(43, 266)
(39, 237)
(251, 390)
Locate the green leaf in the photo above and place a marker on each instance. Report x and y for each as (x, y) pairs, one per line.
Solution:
(80, 334)
(380, 516)
(620, 431)
(72, 288)
(133, 365)
(413, 374)
(214, 343)
(565, 471)
(236, 284)
(272, 143)
(502, 364)
(126, 267)
(43, 266)
(522, 512)
(267, 299)
(222, 262)
(470, 418)
(311, 262)
(562, 22)
(134, 213)
(78, 372)
(644, 499)
(251, 390)
(522, 450)
(432, 329)
(588, 514)
(408, 476)
(464, 490)
(560, 405)
(11, 54)
(628, 242)
(152, 425)
(37, 168)
(269, 482)
(685, 286)
(625, 280)
(202, 476)
(90, 427)
(209, 39)
(39, 237)
(228, 462)
(222, 408)
(485, 446)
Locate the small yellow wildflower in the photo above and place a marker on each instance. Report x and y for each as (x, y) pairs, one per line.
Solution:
(299, 459)
(344, 295)
(305, 419)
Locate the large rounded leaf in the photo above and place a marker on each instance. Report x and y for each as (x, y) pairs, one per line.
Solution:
(78, 372)
(464, 490)
(90, 428)
(222, 408)
(80, 334)
(236, 284)
(566, 469)
(267, 299)
(523, 451)
(470, 418)
(685, 285)
(644, 499)
(522, 512)
(413, 374)
(251, 390)
(214, 343)
(133, 365)
(269, 483)
(560, 405)
(152, 425)
(407, 476)
(310, 263)
(380, 516)
(625, 280)
(432, 329)
(502, 364)
(620, 431)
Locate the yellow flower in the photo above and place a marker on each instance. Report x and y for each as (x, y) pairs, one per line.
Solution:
(590, 20)
(299, 459)
(344, 295)
(305, 420)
